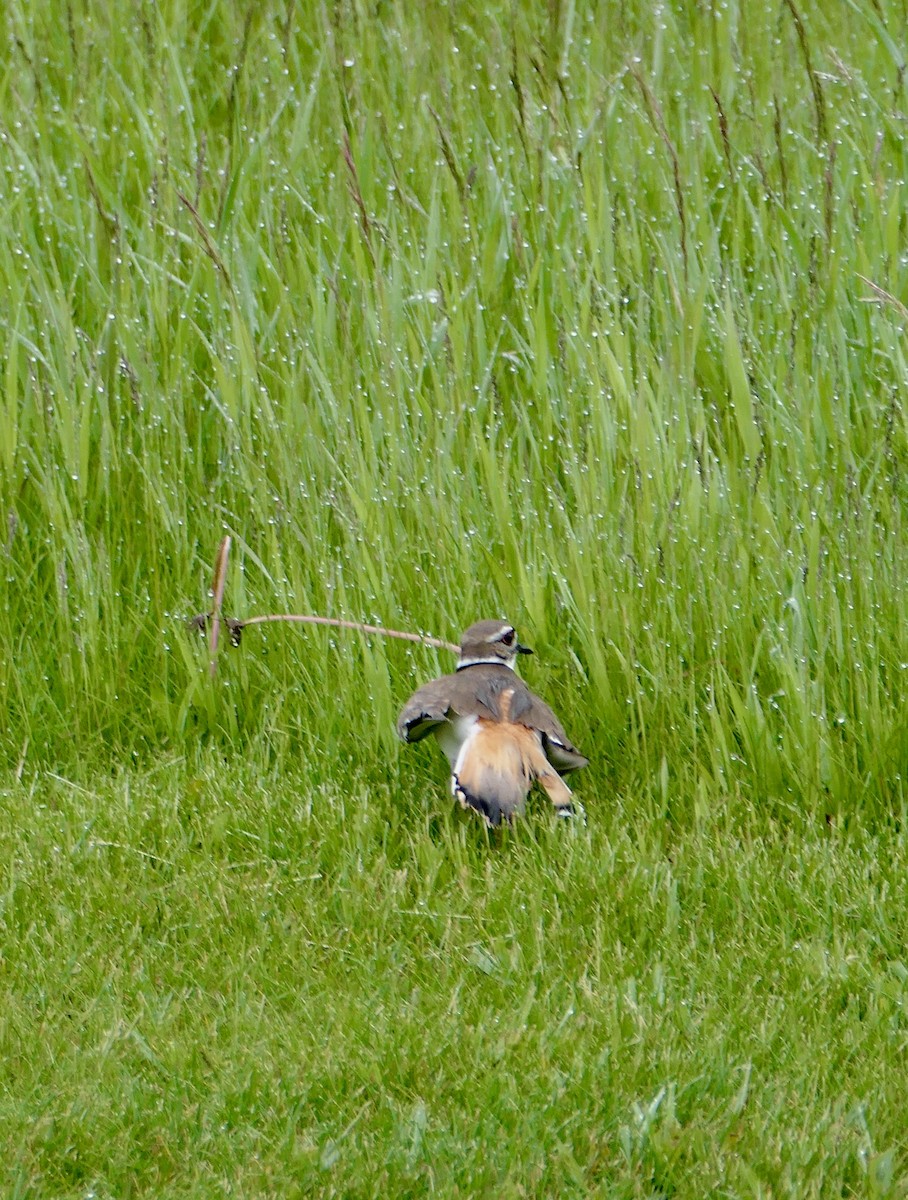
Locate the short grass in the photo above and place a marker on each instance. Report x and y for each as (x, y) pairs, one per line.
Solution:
(592, 316)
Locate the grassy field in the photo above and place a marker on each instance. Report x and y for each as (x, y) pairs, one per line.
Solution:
(592, 316)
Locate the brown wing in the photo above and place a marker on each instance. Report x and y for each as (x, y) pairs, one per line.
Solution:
(427, 707)
(529, 710)
(464, 695)
(454, 695)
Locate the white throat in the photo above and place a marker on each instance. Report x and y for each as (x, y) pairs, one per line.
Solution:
(484, 662)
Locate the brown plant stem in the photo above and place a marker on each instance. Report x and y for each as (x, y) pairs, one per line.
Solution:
(218, 584)
(214, 619)
(236, 627)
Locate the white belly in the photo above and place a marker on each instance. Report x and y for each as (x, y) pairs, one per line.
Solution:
(451, 736)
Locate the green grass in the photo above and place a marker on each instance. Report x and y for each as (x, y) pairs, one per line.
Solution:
(228, 982)
(554, 312)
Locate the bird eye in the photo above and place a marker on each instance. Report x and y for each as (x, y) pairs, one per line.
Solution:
(508, 638)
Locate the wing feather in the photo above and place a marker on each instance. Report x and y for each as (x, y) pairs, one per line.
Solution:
(426, 709)
(529, 710)
(461, 694)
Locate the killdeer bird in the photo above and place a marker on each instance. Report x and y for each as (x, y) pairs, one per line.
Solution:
(498, 736)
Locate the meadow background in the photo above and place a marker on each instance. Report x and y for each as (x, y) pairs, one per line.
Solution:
(587, 315)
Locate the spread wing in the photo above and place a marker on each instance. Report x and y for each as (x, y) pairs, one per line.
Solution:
(529, 710)
(427, 708)
(458, 694)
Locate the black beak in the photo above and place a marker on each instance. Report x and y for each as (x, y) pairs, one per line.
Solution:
(522, 649)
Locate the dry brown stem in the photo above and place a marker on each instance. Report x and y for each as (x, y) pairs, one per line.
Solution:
(213, 620)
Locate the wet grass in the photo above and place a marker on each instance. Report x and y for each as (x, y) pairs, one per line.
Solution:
(589, 316)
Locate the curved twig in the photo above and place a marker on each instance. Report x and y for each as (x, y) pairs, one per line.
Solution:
(236, 627)
(214, 619)
(338, 623)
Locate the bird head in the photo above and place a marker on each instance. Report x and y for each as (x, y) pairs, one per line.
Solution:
(493, 642)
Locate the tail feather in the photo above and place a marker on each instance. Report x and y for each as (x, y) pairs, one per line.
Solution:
(555, 788)
(496, 767)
